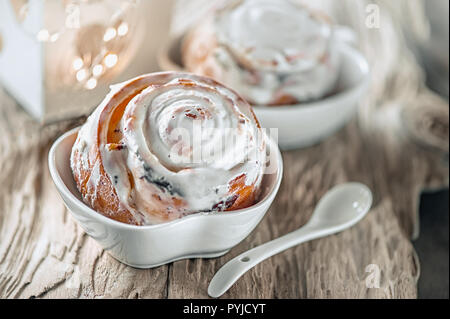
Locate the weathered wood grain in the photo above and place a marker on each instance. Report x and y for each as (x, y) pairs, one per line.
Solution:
(398, 146)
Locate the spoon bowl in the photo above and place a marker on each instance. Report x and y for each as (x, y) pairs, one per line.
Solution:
(342, 206)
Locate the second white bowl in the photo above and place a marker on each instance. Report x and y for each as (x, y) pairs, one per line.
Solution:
(303, 124)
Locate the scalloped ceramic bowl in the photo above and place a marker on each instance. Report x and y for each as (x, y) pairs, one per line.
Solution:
(303, 124)
(203, 235)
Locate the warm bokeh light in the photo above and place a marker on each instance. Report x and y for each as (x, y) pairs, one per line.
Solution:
(122, 30)
(91, 84)
(111, 60)
(97, 70)
(54, 37)
(110, 34)
(81, 75)
(77, 64)
(43, 35)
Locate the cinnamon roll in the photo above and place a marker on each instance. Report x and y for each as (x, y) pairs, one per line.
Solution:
(165, 145)
(274, 52)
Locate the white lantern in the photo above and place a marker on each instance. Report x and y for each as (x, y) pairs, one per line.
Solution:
(59, 57)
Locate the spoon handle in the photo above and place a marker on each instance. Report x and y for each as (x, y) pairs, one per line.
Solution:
(235, 268)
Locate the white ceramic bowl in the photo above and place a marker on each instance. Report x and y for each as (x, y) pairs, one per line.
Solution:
(199, 235)
(303, 124)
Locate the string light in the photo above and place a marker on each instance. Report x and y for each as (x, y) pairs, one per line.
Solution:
(91, 84)
(81, 75)
(97, 70)
(77, 64)
(54, 37)
(43, 35)
(111, 60)
(110, 34)
(122, 30)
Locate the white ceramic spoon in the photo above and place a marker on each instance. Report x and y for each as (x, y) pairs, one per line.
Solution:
(341, 207)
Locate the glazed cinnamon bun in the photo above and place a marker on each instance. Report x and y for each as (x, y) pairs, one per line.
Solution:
(274, 52)
(165, 145)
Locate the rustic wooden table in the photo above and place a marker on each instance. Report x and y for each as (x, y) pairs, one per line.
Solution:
(398, 146)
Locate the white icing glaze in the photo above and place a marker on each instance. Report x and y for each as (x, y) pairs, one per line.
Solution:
(160, 167)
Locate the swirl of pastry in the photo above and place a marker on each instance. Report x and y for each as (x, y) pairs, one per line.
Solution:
(273, 51)
(165, 145)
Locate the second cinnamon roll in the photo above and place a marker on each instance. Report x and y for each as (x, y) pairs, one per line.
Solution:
(274, 52)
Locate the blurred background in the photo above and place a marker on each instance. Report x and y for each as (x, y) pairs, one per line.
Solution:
(76, 48)
(433, 244)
